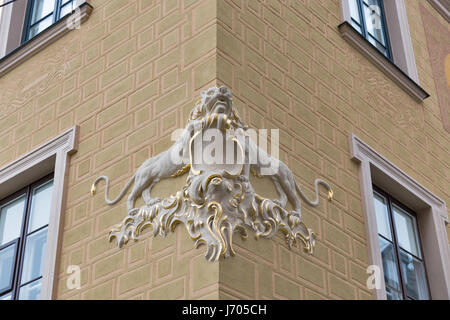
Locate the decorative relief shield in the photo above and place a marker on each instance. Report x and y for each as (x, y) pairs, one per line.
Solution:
(217, 200)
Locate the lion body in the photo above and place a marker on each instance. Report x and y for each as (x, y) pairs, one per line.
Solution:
(215, 108)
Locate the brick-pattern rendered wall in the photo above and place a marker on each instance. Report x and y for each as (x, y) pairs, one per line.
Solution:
(131, 75)
(289, 68)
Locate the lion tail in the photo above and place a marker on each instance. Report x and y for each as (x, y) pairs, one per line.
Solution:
(120, 196)
(315, 203)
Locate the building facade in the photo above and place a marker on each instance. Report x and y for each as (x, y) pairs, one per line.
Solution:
(359, 91)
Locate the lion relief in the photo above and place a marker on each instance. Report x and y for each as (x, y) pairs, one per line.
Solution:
(214, 204)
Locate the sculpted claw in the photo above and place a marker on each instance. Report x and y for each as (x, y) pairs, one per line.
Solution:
(279, 203)
(242, 178)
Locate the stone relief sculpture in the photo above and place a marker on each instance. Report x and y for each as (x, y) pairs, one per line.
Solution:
(217, 200)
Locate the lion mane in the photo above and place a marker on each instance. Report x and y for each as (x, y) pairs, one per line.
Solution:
(199, 113)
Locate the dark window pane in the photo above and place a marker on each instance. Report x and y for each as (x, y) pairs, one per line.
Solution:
(374, 21)
(7, 266)
(354, 11)
(382, 215)
(66, 9)
(406, 231)
(34, 256)
(40, 206)
(390, 269)
(7, 296)
(31, 291)
(414, 276)
(41, 8)
(11, 220)
(357, 27)
(377, 45)
(392, 294)
(41, 26)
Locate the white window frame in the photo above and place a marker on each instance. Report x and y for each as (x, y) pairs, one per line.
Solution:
(5, 21)
(52, 156)
(432, 216)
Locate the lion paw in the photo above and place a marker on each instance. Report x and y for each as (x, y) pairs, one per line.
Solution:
(280, 203)
(242, 179)
(296, 216)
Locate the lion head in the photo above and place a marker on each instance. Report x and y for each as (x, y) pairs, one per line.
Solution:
(217, 101)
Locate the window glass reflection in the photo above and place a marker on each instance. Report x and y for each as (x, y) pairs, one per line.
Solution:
(390, 270)
(31, 291)
(368, 18)
(392, 294)
(34, 256)
(41, 8)
(414, 276)
(6, 297)
(403, 266)
(405, 227)
(41, 26)
(24, 223)
(374, 22)
(7, 266)
(11, 220)
(67, 8)
(354, 11)
(377, 45)
(382, 215)
(40, 206)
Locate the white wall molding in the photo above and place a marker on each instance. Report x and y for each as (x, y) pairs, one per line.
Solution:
(50, 156)
(431, 213)
(400, 36)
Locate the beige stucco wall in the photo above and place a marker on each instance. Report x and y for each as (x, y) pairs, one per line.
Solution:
(289, 68)
(130, 76)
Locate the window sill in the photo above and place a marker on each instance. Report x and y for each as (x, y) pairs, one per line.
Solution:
(442, 8)
(44, 39)
(377, 58)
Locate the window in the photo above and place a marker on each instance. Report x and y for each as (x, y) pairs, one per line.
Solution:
(41, 14)
(403, 265)
(425, 214)
(51, 156)
(22, 25)
(368, 18)
(24, 220)
(365, 26)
